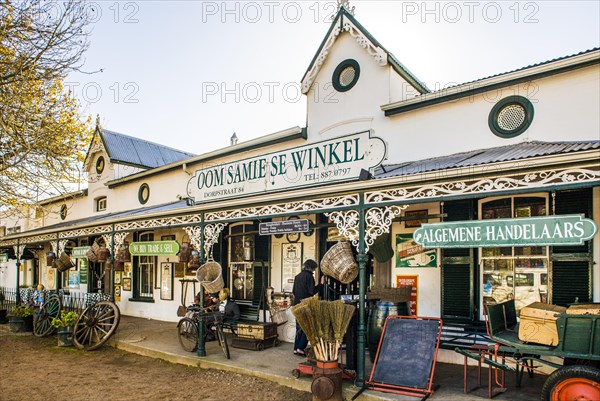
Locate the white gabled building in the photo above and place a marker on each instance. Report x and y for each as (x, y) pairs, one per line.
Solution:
(379, 149)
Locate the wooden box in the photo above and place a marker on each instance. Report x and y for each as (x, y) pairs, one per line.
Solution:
(257, 331)
(538, 323)
(584, 309)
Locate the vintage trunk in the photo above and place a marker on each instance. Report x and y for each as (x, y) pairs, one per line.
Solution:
(257, 331)
(538, 323)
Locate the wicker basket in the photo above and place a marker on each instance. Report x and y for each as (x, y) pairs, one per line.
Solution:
(339, 263)
(211, 277)
(103, 254)
(64, 262)
(92, 253)
(400, 294)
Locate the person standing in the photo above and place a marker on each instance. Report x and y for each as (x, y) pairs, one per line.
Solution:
(304, 287)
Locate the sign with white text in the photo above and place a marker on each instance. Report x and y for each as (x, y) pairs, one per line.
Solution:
(339, 159)
(154, 248)
(531, 231)
(284, 227)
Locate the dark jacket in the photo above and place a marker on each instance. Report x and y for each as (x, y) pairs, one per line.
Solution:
(232, 311)
(304, 286)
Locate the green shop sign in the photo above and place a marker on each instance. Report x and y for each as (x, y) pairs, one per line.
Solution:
(154, 248)
(317, 163)
(80, 252)
(533, 231)
(3, 257)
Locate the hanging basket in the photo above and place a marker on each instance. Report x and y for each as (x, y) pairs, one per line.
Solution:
(339, 263)
(185, 253)
(50, 259)
(382, 249)
(211, 277)
(123, 255)
(103, 254)
(92, 253)
(64, 262)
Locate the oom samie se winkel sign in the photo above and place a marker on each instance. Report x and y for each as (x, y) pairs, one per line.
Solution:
(339, 159)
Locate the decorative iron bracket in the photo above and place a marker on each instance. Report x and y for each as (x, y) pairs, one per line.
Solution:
(378, 220)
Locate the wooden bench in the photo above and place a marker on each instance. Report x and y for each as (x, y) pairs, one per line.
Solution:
(248, 314)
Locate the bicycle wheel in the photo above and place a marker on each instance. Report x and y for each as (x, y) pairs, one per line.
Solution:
(222, 340)
(187, 333)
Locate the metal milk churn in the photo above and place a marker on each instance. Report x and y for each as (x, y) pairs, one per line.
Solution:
(327, 382)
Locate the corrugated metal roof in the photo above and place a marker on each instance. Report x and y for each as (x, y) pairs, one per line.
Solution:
(519, 151)
(139, 152)
(521, 68)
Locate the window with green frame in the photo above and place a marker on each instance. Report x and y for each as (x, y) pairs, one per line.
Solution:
(514, 272)
(143, 271)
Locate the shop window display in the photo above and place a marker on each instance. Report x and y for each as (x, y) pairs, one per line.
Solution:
(519, 273)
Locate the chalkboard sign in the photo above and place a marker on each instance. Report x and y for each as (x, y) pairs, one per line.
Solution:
(407, 353)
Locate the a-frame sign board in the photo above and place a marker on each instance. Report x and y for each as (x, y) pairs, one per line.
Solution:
(406, 356)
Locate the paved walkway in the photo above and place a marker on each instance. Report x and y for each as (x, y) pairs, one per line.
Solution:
(158, 339)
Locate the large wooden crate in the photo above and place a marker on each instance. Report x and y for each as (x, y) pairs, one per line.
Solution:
(538, 323)
(257, 331)
(584, 309)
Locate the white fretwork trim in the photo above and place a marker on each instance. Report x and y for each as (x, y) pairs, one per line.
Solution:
(39, 238)
(533, 180)
(211, 237)
(285, 208)
(160, 222)
(119, 238)
(378, 220)
(380, 55)
(195, 234)
(61, 246)
(85, 232)
(346, 222)
(19, 251)
(95, 147)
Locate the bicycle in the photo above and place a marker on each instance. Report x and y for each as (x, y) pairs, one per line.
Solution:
(188, 327)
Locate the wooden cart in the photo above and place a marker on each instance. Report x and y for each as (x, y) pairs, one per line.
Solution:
(578, 377)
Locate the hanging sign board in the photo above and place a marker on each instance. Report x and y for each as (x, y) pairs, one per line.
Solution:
(154, 248)
(532, 231)
(324, 162)
(80, 252)
(284, 227)
(3, 257)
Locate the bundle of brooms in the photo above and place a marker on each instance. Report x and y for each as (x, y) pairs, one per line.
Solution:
(324, 323)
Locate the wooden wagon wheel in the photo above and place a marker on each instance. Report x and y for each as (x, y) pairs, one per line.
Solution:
(96, 325)
(42, 325)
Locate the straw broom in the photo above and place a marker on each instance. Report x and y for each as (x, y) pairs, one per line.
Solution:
(305, 318)
(341, 315)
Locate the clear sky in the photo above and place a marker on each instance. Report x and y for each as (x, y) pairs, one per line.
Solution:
(187, 74)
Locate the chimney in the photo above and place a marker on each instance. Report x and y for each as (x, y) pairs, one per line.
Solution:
(234, 139)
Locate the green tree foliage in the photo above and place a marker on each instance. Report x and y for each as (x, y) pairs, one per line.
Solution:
(42, 135)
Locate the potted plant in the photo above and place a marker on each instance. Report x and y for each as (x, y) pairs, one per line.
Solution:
(21, 318)
(65, 324)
